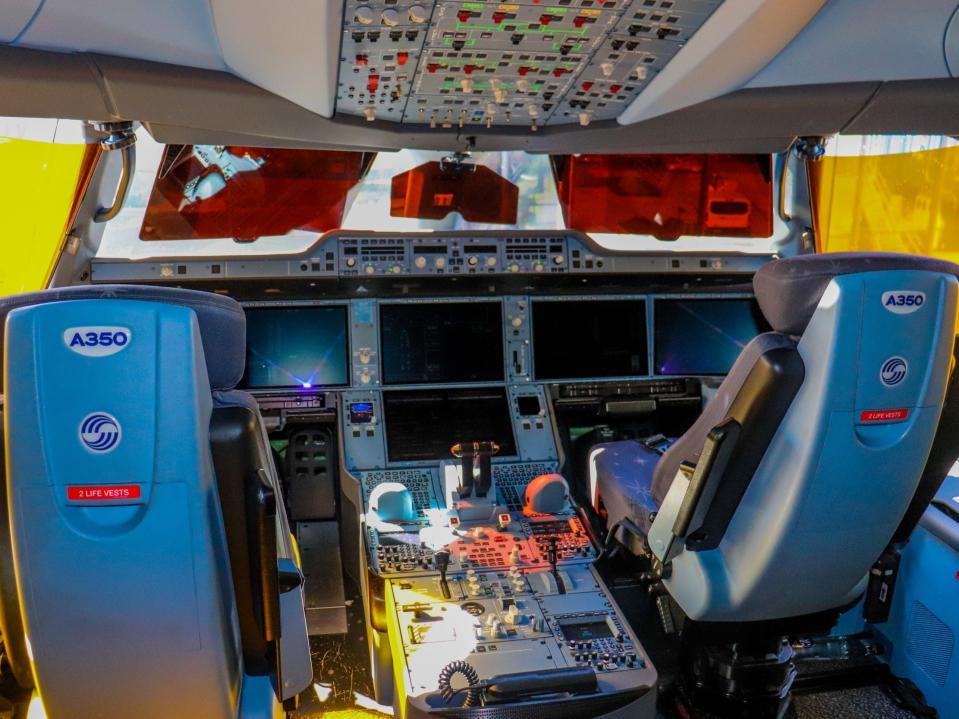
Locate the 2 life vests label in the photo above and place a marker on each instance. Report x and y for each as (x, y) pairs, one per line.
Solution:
(118, 493)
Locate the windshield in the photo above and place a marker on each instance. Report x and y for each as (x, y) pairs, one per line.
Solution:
(161, 188)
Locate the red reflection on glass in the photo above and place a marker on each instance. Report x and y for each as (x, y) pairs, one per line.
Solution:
(431, 192)
(210, 191)
(667, 196)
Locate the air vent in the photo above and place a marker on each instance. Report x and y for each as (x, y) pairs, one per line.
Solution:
(931, 643)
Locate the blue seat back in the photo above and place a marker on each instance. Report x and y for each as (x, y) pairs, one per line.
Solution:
(115, 521)
(845, 460)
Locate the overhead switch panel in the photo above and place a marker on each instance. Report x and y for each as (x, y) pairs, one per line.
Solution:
(526, 64)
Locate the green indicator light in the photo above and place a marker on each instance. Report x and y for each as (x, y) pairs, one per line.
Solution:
(474, 6)
(557, 10)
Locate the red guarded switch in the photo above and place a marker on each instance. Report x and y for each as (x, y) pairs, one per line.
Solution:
(362, 60)
(545, 19)
(587, 86)
(524, 70)
(432, 67)
(579, 21)
(615, 88)
(463, 15)
(372, 83)
(498, 17)
(468, 69)
(402, 57)
(560, 71)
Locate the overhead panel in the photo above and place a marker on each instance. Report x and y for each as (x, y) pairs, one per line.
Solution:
(525, 64)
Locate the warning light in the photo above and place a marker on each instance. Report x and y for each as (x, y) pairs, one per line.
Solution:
(463, 15)
(579, 21)
(362, 60)
(498, 17)
(615, 88)
(432, 67)
(587, 86)
(402, 57)
(372, 83)
(307, 385)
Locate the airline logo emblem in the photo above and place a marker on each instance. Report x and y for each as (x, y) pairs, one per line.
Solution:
(893, 371)
(100, 432)
(96, 341)
(903, 302)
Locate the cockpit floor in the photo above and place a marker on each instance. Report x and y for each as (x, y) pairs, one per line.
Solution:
(343, 684)
(860, 703)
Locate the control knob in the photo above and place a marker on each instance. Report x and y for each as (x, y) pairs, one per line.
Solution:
(418, 14)
(364, 15)
(390, 17)
(513, 616)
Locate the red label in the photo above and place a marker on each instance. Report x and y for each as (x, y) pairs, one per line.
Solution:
(106, 493)
(883, 415)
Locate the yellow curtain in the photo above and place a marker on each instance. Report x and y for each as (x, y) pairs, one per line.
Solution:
(902, 202)
(41, 184)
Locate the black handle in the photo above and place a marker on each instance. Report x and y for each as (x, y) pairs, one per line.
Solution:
(565, 680)
(710, 468)
(262, 507)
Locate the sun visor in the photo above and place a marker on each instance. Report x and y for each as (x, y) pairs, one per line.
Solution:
(667, 196)
(215, 191)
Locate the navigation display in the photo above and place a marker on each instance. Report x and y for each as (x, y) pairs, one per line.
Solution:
(296, 347)
(589, 338)
(424, 424)
(703, 336)
(448, 342)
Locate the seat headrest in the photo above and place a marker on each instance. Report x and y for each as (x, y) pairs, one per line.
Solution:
(789, 290)
(221, 320)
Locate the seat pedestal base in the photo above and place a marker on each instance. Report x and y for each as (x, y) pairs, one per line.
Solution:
(741, 679)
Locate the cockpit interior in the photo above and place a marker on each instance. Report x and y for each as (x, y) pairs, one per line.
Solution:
(457, 359)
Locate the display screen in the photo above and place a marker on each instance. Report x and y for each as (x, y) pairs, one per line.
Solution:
(441, 342)
(589, 338)
(424, 424)
(296, 347)
(583, 631)
(702, 336)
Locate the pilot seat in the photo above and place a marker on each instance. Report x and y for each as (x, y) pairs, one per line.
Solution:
(765, 518)
(146, 564)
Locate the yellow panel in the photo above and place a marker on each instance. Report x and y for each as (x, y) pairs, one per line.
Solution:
(38, 184)
(906, 202)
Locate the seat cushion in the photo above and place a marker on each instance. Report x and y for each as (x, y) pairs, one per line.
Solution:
(621, 482)
(221, 320)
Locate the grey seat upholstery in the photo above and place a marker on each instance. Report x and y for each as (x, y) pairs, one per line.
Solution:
(222, 329)
(795, 435)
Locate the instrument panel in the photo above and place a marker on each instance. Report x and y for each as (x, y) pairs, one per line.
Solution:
(450, 63)
(348, 256)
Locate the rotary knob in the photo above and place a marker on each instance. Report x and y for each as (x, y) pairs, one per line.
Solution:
(364, 15)
(418, 14)
(390, 17)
